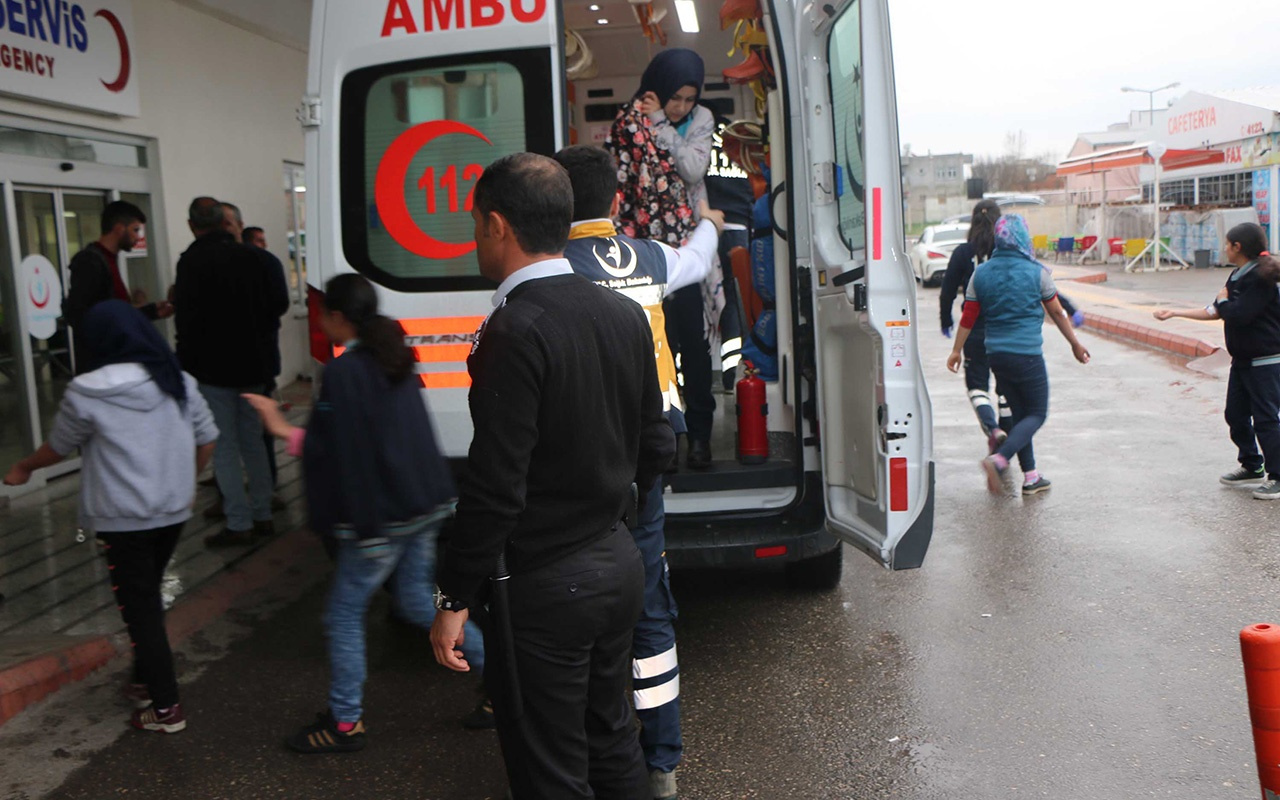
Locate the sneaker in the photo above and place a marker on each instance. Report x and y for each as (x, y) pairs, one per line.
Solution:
(323, 736)
(1243, 476)
(264, 528)
(662, 785)
(995, 439)
(138, 695)
(168, 720)
(1267, 491)
(229, 538)
(481, 717)
(995, 475)
(1042, 484)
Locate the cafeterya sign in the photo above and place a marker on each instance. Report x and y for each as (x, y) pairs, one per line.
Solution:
(70, 53)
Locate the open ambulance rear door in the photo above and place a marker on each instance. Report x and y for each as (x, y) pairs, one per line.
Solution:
(876, 430)
(407, 102)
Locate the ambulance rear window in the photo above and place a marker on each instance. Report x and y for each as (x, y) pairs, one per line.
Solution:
(415, 138)
(845, 58)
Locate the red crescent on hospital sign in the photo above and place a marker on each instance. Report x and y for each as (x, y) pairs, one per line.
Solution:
(122, 80)
(389, 193)
(44, 287)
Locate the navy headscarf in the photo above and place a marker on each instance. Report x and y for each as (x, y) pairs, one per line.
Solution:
(118, 333)
(671, 70)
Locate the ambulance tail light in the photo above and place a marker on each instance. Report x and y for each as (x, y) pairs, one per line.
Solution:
(321, 348)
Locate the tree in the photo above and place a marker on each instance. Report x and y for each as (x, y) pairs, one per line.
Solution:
(1012, 170)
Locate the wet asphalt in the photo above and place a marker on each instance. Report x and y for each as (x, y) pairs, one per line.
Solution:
(1078, 644)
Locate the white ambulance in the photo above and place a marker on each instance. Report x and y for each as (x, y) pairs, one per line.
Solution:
(408, 100)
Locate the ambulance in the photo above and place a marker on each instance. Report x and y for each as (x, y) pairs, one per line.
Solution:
(408, 100)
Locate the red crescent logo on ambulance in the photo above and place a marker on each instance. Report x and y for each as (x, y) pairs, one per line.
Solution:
(122, 80)
(44, 288)
(388, 190)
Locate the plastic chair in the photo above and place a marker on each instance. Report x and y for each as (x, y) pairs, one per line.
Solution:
(1067, 245)
(1133, 247)
(1116, 248)
(1084, 245)
(1040, 243)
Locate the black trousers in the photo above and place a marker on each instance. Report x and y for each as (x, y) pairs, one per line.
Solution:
(136, 561)
(574, 734)
(685, 335)
(1253, 416)
(731, 332)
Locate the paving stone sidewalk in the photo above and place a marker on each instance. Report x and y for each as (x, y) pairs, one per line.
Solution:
(58, 619)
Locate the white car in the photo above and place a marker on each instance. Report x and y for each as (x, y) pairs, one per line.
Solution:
(932, 251)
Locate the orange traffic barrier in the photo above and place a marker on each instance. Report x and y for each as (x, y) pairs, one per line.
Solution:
(1260, 650)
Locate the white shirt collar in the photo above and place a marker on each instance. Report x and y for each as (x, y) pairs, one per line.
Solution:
(540, 269)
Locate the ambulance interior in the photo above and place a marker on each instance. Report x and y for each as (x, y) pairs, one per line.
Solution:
(608, 45)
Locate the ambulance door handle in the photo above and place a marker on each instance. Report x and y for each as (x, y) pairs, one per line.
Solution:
(773, 200)
(855, 274)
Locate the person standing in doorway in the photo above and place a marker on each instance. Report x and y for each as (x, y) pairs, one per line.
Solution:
(144, 432)
(1012, 291)
(226, 308)
(669, 92)
(597, 252)
(1249, 307)
(95, 272)
(568, 421)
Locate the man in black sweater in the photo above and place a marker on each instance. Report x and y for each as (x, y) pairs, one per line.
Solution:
(225, 308)
(95, 271)
(567, 416)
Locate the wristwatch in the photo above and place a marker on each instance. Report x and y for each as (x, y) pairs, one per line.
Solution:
(446, 603)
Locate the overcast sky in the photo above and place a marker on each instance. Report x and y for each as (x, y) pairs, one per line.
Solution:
(968, 73)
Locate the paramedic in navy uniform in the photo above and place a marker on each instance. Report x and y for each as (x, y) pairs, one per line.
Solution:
(645, 271)
(567, 415)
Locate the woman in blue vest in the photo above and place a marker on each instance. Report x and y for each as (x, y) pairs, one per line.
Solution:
(1011, 291)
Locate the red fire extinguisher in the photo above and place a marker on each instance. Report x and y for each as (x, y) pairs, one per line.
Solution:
(753, 417)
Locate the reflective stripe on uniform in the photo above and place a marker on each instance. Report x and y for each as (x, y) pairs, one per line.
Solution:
(658, 695)
(731, 353)
(979, 398)
(654, 666)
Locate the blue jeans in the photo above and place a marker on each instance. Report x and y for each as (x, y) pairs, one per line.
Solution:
(1253, 415)
(239, 439)
(1025, 385)
(409, 560)
(654, 669)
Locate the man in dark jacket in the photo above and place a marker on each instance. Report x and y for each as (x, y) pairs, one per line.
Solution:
(95, 270)
(225, 308)
(567, 416)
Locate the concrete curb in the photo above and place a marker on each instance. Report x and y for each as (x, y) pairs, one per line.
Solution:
(32, 680)
(36, 678)
(1093, 277)
(1148, 336)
